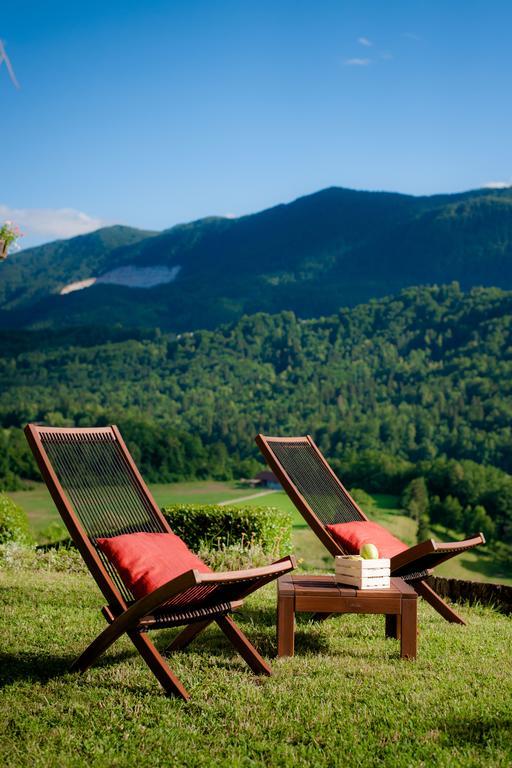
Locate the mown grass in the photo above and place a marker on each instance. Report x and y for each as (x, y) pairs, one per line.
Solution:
(345, 699)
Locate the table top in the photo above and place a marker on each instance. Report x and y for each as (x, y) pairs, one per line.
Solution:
(305, 584)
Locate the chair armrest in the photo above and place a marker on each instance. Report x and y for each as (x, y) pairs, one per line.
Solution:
(275, 569)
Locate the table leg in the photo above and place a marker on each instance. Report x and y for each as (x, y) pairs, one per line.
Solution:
(409, 628)
(285, 625)
(392, 626)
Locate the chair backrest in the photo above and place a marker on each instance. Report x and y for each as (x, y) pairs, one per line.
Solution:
(311, 484)
(98, 491)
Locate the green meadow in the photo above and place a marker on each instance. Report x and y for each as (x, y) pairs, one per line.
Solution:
(478, 565)
(345, 698)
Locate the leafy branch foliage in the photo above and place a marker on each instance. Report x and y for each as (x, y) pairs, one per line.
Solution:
(404, 387)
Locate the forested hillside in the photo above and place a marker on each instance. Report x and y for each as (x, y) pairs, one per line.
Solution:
(36, 273)
(387, 389)
(337, 247)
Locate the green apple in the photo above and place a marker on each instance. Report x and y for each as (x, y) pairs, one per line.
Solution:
(369, 552)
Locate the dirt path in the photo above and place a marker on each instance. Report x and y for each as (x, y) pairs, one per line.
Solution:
(245, 498)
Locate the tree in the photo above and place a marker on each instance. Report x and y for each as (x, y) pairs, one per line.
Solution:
(423, 530)
(476, 519)
(451, 513)
(363, 499)
(415, 498)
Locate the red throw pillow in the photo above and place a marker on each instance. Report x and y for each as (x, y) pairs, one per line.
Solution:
(353, 535)
(145, 561)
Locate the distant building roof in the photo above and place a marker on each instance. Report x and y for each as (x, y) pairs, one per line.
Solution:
(267, 477)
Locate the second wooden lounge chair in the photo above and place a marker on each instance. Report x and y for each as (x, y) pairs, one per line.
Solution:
(109, 512)
(325, 504)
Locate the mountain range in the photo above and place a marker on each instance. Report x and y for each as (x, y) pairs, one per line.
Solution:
(337, 247)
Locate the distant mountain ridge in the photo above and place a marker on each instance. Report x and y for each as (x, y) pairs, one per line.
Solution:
(337, 247)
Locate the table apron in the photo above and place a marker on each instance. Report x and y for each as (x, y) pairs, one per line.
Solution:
(347, 604)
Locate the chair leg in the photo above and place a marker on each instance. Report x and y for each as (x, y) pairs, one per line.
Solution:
(145, 647)
(246, 650)
(167, 679)
(437, 602)
(186, 636)
(98, 646)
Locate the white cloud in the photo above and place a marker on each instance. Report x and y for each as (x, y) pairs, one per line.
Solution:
(498, 184)
(43, 224)
(357, 62)
(411, 36)
(364, 41)
(386, 55)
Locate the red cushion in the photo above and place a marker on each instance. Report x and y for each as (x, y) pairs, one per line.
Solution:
(145, 561)
(353, 535)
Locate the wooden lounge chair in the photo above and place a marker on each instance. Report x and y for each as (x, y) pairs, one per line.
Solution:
(322, 500)
(100, 494)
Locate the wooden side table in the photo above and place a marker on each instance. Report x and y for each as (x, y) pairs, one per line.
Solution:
(321, 595)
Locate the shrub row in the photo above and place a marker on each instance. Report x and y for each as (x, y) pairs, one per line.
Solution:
(225, 537)
(213, 527)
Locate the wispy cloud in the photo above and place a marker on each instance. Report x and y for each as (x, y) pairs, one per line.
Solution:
(386, 55)
(411, 36)
(357, 62)
(498, 184)
(364, 41)
(43, 224)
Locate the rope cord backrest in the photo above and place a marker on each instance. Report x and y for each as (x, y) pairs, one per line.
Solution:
(323, 493)
(101, 486)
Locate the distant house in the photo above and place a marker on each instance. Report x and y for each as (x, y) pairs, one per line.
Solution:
(267, 479)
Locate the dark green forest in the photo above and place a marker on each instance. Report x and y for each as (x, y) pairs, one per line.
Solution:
(337, 247)
(417, 385)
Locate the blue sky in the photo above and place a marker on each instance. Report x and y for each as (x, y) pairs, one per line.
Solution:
(153, 113)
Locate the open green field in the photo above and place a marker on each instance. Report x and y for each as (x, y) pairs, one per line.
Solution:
(41, 511)
(345, 699)
(477, 565)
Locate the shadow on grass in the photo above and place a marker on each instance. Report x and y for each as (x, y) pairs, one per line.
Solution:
(491, 569)
(478, 730)
(267, 617)
(31, 666)
(42, 668)
(310, 642)
(259, 625)
(34, 668)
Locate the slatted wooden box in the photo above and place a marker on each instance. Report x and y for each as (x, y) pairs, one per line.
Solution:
(362, 574)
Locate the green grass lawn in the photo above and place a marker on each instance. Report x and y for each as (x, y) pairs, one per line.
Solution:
(345, 699)
(477, 565)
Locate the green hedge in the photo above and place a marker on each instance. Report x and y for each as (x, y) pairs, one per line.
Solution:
(13, 522)
(214, 526)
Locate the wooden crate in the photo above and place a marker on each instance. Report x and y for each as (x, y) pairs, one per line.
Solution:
(362, 574)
